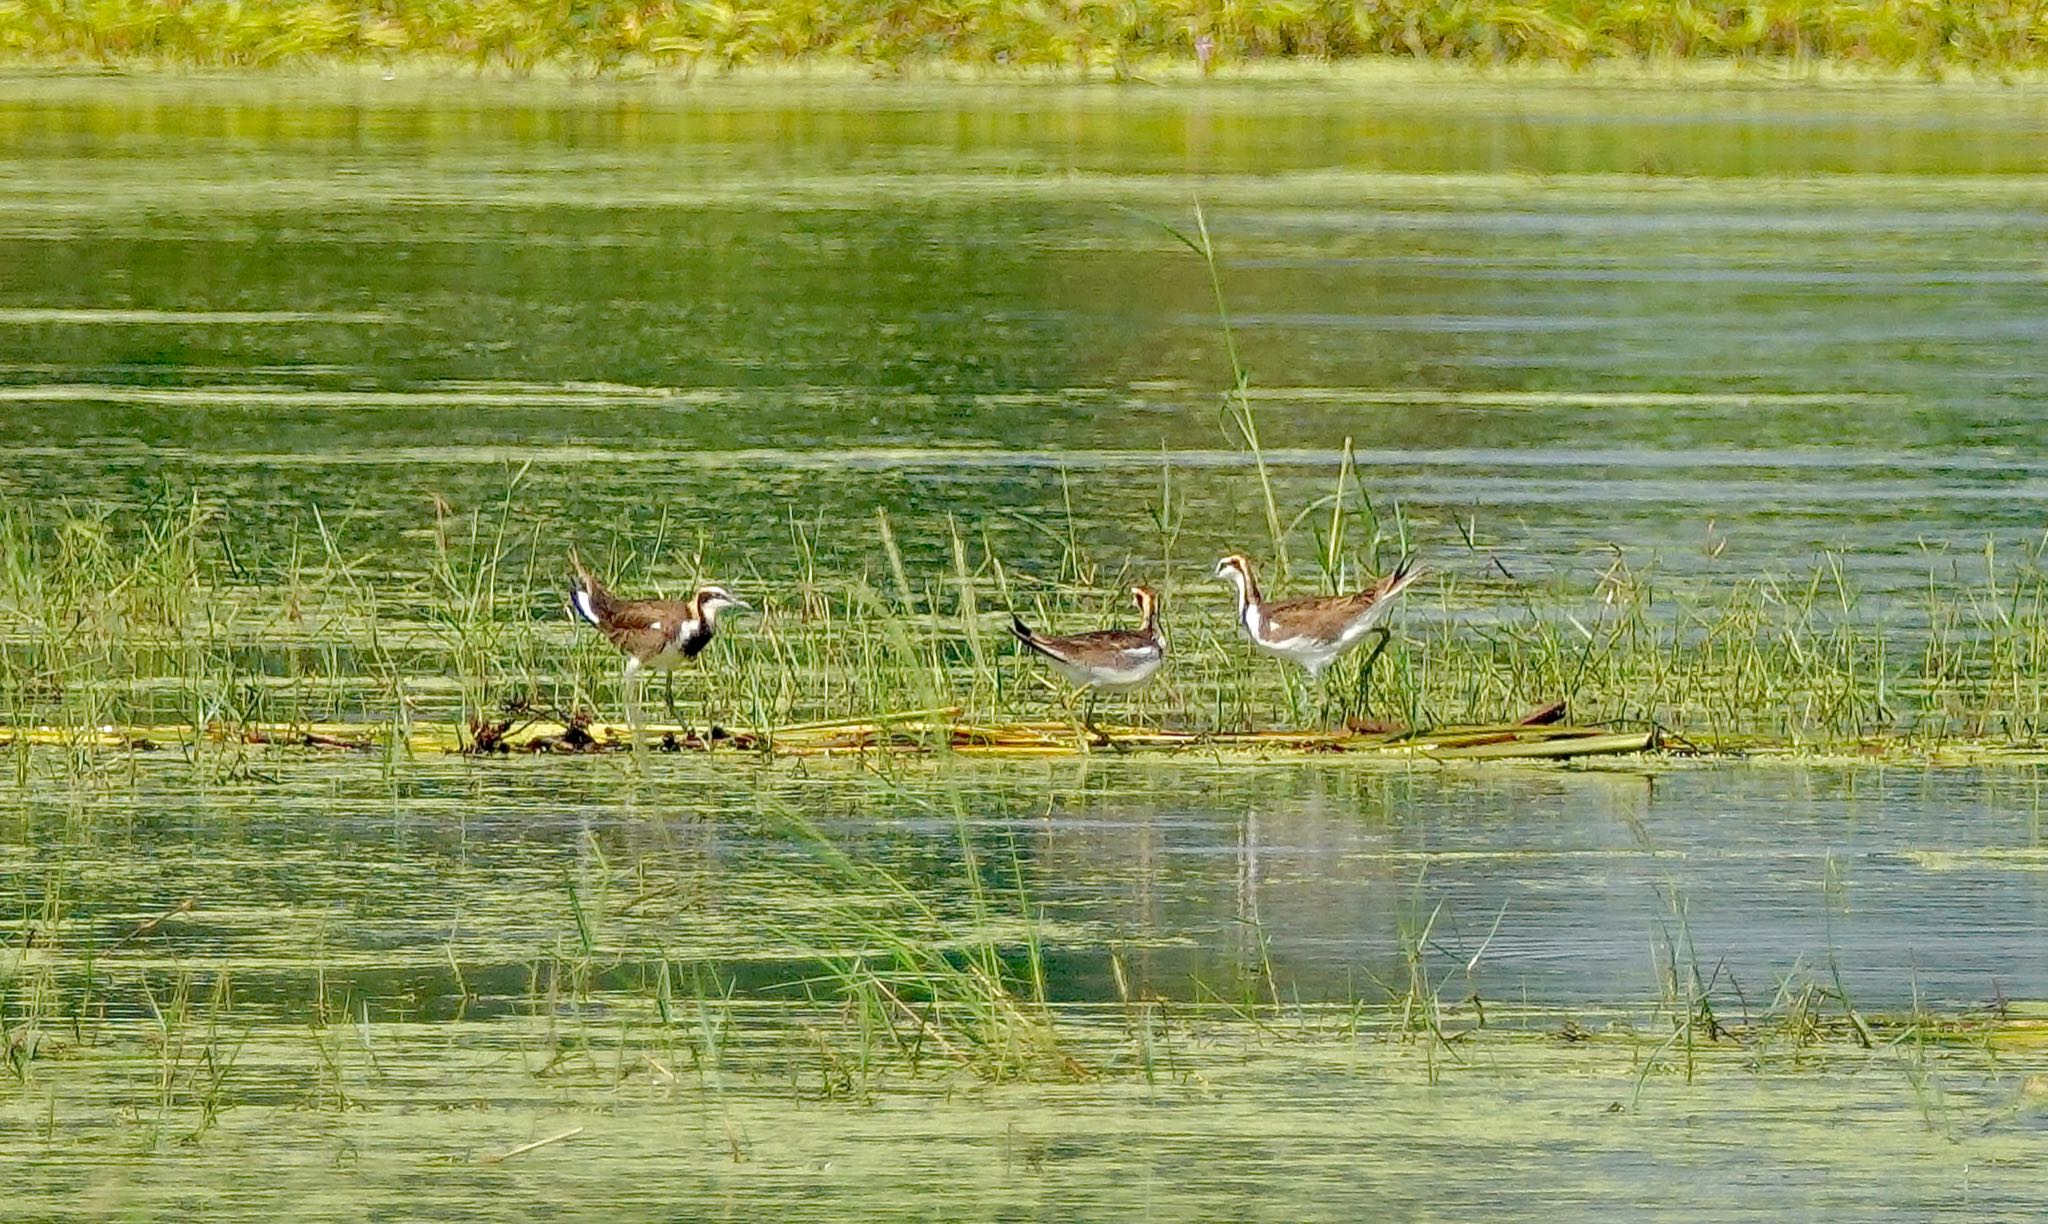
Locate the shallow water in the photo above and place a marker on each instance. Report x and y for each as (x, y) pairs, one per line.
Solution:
(1561, 885)
(1716, 329)
(1554, 892)
(1583, 318)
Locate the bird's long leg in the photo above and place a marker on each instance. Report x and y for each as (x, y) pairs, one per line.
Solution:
(1297, 698)
(669, 691)
(1365, 669)
(1101, 734)
(632, 686)
(1088, 720)
(1079, 723)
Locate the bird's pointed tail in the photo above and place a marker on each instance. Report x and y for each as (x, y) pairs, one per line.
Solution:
(587, 595)
(1025, 635)
(1404, 575)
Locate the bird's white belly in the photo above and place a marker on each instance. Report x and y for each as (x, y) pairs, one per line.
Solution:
(1293, 649)
(1312, 653)
(1130, 675)
(667, 658)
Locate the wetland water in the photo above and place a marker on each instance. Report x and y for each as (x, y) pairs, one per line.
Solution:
(1714, 330)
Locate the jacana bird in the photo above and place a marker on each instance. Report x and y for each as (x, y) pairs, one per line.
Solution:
(1116, 660)
(1316, 630)
(653, 634)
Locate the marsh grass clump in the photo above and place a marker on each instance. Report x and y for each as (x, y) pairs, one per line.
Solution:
(150, 627)
(917, 988)
(103, 612)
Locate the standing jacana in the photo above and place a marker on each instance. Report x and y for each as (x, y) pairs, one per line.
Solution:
(1316, 630)
(1113, 659)
(653, 634)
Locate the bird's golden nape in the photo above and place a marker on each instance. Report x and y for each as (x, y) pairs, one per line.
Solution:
(1147, 600)
(1102, 660)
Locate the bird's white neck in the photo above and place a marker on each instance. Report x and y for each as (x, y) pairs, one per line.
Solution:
(1247, 598)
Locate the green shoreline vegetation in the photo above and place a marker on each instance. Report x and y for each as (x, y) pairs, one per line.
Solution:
(1075, 37)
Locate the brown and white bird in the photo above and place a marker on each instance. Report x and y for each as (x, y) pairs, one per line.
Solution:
(653, 634)
(1109, 659)
(1316, 630)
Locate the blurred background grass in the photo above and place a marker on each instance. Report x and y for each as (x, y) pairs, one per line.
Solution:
(1116, 38)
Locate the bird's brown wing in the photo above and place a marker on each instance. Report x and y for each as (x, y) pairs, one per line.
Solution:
(642, 626)
(1324, 618)
(1318, 617)
(1100, 648)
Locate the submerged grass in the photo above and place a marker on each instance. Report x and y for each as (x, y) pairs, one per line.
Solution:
(1121, 40)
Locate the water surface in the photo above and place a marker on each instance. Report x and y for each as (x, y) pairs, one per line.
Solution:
(1713, 330)
(1582, 317)
(369, 1077)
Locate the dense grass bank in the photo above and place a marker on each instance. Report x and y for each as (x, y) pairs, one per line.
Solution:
(1069, 37)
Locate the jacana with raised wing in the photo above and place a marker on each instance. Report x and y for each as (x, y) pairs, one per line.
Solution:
(1112, 659)
(1313, 631)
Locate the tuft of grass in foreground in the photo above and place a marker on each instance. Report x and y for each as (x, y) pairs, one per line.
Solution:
(1081, 36)
(915, 986)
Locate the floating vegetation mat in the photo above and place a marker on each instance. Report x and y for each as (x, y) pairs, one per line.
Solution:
(931, 732)
(913, 731)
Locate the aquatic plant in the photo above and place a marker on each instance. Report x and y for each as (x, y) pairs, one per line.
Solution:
(851, 983)
(155, 623)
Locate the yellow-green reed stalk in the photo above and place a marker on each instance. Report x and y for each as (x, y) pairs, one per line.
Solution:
(1237, 403)
(928, 660)
(1240, 401)
(967, 610)
(1330, 557)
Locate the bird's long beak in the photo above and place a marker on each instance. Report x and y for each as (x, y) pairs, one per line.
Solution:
(741, 603)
